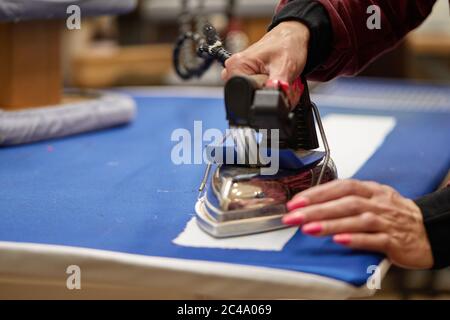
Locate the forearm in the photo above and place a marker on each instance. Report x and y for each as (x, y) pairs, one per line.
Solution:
(351, 45)
(436, 212)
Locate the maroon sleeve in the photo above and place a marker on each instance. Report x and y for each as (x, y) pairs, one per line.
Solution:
(354, 44)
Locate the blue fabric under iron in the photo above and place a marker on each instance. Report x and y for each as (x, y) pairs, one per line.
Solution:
(288, 158)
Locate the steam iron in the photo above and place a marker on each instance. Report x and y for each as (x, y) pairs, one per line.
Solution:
(274, 152)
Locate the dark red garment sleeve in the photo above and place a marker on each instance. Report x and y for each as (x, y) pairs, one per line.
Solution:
(435, 209)
(354, 44)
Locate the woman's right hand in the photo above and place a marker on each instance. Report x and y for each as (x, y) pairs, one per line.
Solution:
(281, 54)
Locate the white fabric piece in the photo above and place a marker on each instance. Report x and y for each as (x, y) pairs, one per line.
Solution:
(98, 112)
(353, 140)
(193, 236)
(18, 10)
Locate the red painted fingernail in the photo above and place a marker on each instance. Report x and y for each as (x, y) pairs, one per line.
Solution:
(293, 219)
(312, 228)
(342, 239)
(296, 203)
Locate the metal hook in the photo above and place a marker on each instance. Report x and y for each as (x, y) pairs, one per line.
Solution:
(324, 140)
(208, 171)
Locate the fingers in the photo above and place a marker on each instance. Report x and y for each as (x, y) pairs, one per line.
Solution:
(277, 67)
(344, 207)
(331, 191)
(243, 63)
(378, 242)
(365, 222)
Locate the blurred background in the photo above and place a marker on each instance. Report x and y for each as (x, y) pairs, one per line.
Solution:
(136, 49)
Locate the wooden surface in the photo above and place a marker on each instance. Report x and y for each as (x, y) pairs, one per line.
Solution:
(30, 72)
(104, 67)
(98, 67)
(255, 28)
(431, 44)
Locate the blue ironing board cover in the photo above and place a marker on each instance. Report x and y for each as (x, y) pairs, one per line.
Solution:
(118, 190)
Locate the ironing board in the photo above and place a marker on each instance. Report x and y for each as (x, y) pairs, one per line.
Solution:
(112, 203)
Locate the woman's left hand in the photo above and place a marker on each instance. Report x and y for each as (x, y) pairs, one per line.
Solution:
(367, 216)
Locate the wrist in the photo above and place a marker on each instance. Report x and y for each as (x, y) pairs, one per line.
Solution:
(435, 209)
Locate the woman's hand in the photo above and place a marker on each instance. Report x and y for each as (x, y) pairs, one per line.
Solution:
(281, 54)
(367, 216)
